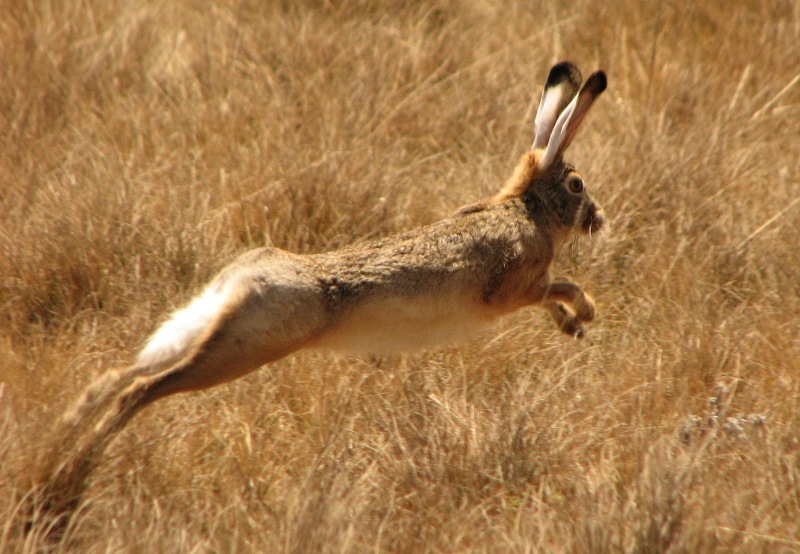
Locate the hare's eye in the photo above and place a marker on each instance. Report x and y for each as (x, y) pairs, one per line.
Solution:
(575, 185)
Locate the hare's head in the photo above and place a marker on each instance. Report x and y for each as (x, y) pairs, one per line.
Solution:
(560, 191)
(543, 179)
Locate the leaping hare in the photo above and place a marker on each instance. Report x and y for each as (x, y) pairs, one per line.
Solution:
(426, 286)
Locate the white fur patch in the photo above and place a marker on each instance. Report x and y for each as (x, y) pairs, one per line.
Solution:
(174, 338)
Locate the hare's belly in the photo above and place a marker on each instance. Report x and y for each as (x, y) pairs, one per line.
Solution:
(402, 324)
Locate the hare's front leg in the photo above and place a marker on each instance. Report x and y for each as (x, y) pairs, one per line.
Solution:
(567, 302)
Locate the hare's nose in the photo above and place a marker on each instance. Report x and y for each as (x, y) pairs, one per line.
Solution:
(597, 218)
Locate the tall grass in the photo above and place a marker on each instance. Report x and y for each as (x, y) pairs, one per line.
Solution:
(144, 144)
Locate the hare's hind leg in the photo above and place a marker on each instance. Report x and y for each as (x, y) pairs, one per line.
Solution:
(225, 356)
(66, 469)
(264, 326)
(111, 402)
(227, 332)
(270, 306)
(215, 363)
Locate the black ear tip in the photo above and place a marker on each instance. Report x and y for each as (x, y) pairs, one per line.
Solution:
(561, 72)
(597, 82)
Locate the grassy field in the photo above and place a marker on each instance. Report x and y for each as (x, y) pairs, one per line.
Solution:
(144, 144)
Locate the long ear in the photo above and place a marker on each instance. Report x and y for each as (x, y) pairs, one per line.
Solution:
(562, 83)
(570, 119)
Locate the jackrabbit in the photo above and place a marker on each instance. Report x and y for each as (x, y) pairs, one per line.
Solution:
(426, 286)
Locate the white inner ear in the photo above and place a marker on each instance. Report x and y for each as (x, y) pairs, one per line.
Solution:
(546, 116)
(557, 135)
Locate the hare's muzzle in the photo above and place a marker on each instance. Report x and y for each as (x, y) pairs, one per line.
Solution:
(595, 218)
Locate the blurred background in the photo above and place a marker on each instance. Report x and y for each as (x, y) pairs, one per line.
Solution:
(144, 144)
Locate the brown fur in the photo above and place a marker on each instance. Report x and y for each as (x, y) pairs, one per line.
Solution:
(518, 183)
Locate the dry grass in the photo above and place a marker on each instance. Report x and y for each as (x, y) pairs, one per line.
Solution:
(145, 143)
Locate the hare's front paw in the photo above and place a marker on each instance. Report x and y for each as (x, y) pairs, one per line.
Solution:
(568, 321)
(584, 308)
(569, 305)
